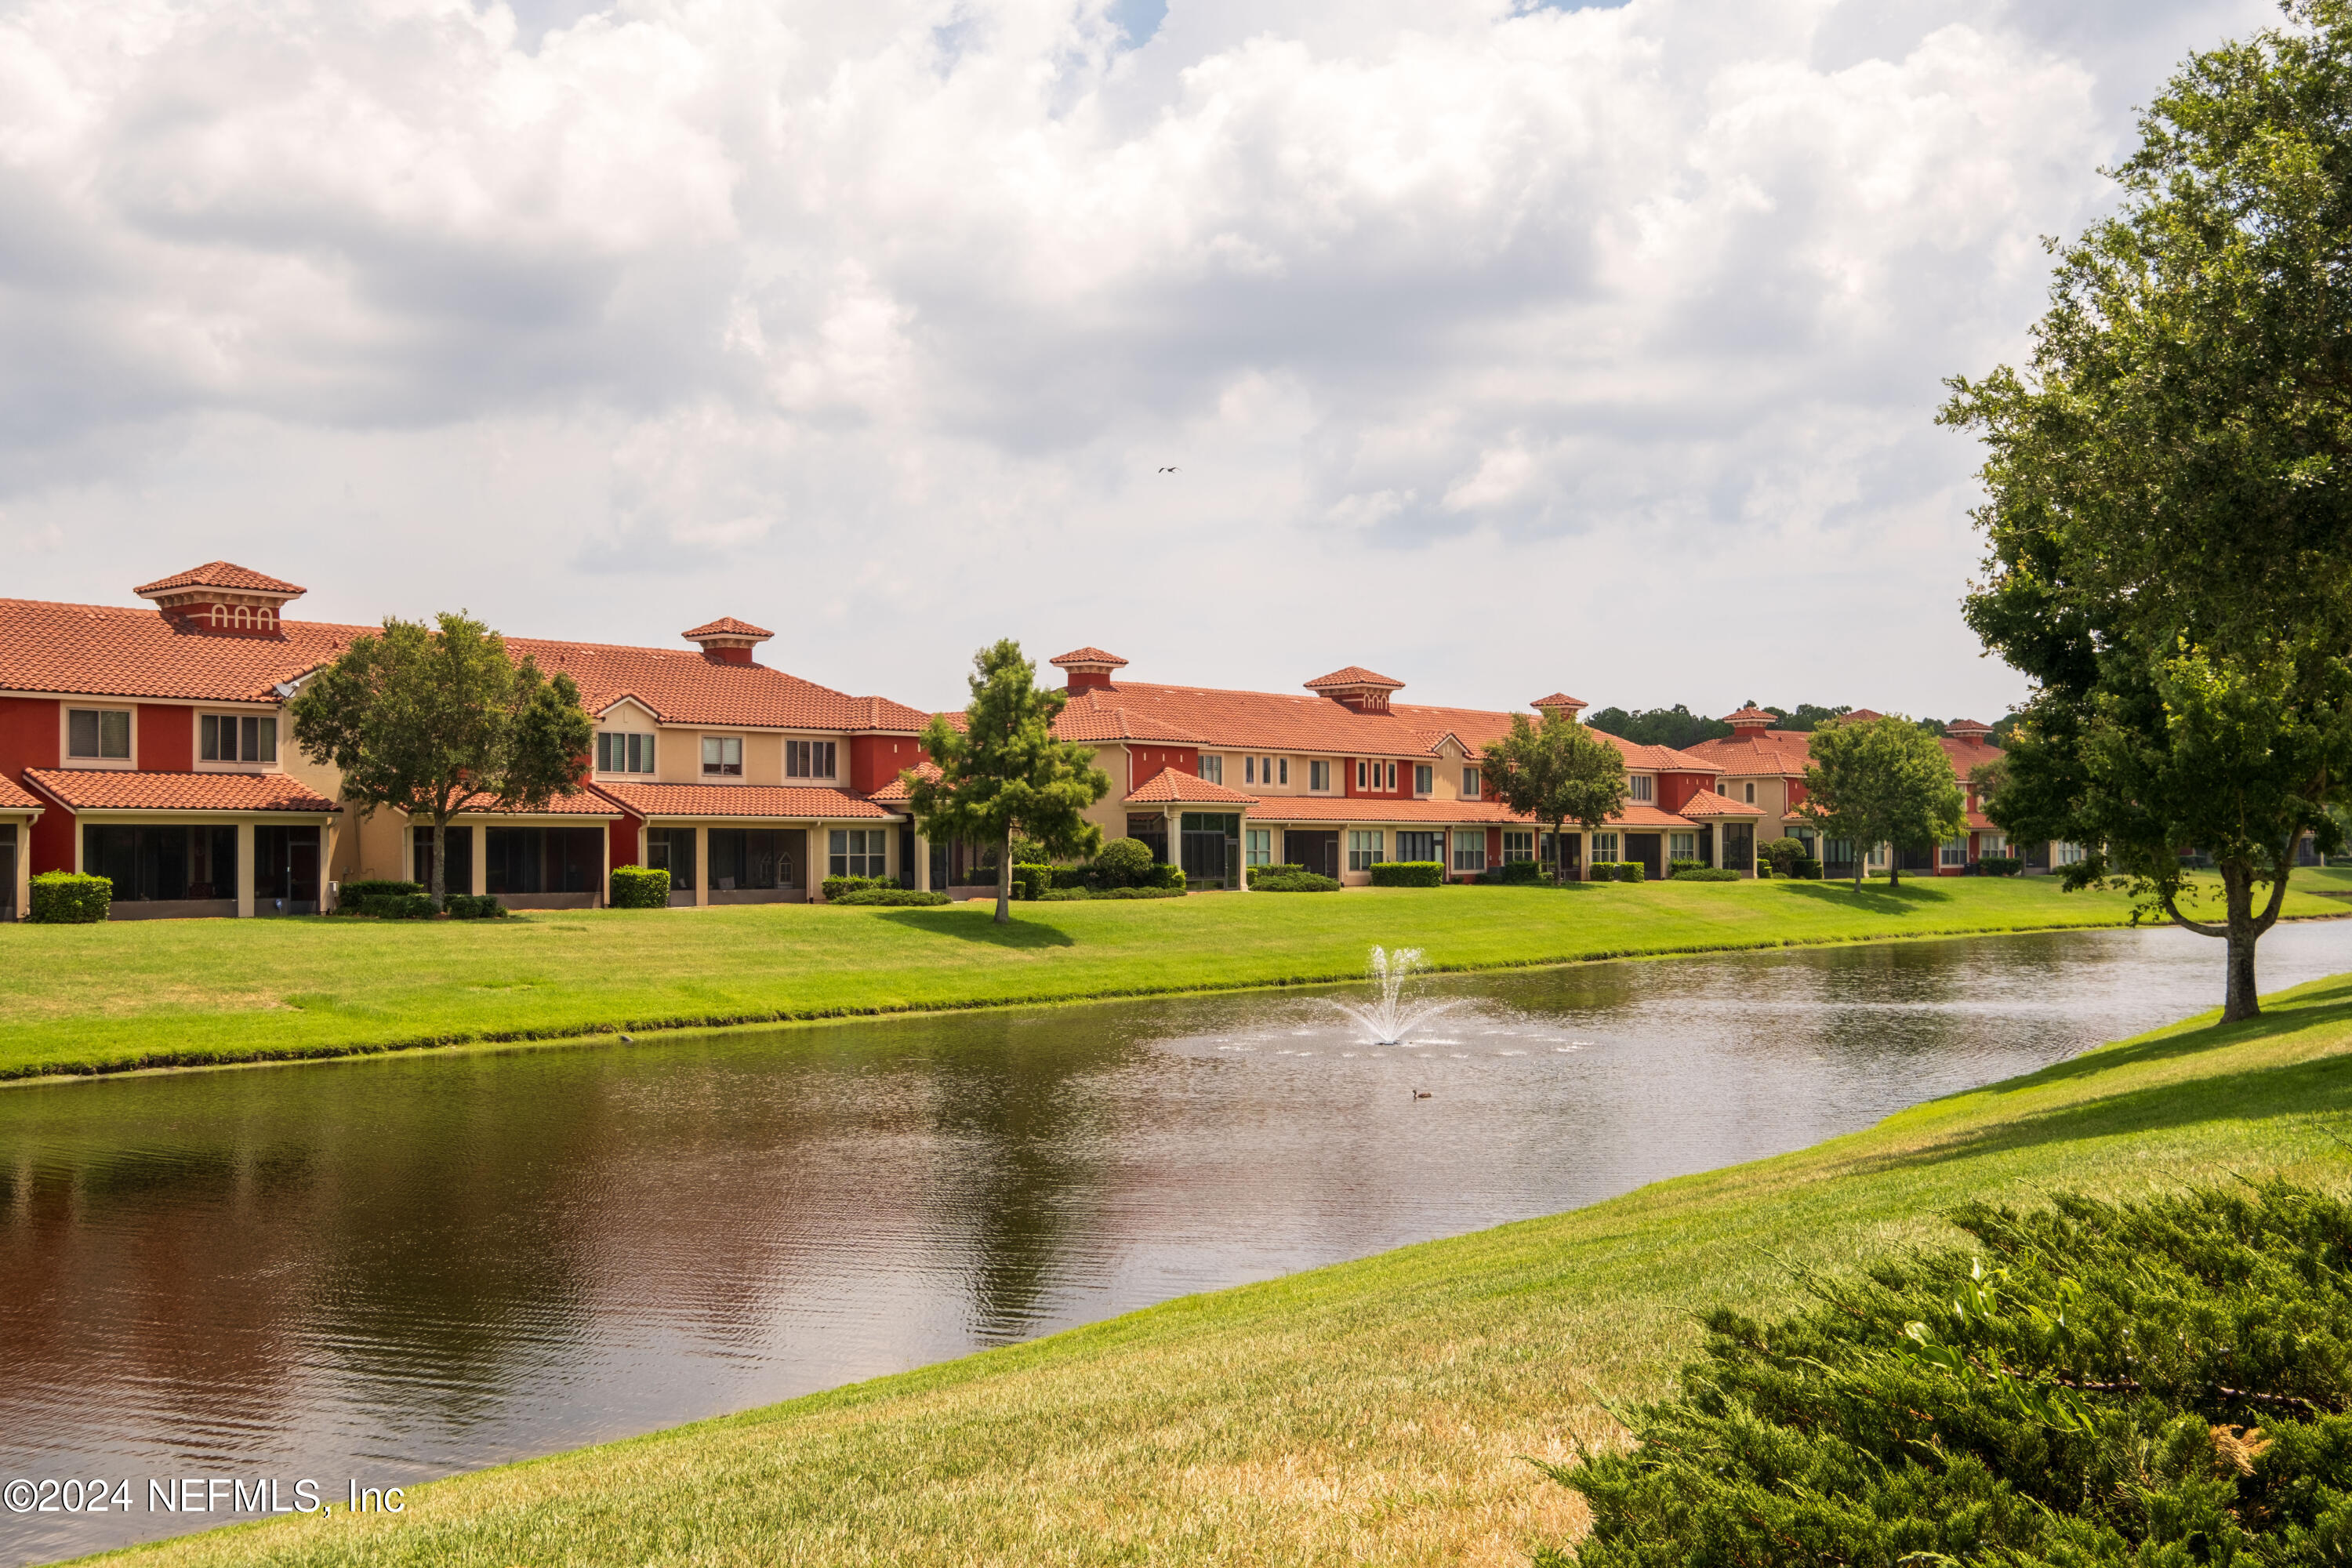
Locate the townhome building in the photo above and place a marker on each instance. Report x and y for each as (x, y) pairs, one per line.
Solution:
(151, 746)
(1347, 777)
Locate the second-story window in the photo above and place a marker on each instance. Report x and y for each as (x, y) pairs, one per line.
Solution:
(722, 756)
(1318, 775)
(1751, 792)
(1642, 787)
(621, 752)
(1212, 769)
(1249, 770)
(103, 733)
(1425, 779)
(1282, 766)
(808, 758)
(236, 738)
(1470, 783)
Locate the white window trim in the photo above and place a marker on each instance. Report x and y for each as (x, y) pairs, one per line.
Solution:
(196, 718)
(1641, 787)
(129, 764)
(702, 769)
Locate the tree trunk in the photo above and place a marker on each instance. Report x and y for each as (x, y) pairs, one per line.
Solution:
(1004, 880)
(1861, 855)
(1893, 867)
(2238, 999)
(440, 864)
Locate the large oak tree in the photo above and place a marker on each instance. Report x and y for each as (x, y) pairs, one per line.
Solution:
(1556, 772)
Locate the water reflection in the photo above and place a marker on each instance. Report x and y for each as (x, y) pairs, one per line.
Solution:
(396, 1269)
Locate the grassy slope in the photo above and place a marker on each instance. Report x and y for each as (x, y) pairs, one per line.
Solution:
(109, 997)
(1375, 1411)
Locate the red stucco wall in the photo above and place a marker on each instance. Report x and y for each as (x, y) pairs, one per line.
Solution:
(167, 739)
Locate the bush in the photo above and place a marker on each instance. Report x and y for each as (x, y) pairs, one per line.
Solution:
(1295, 882)
(398, 906)
(349, 894)
(1123, 863)
(1257, 872)
(1999, 865)
(1074, 877)
(1785, 855)
(1408, 874)
(1065, 895)
(479, 906)
(1705, 874)
(1763, 870)
(2090, 1384)
(1175, 892)
(1676, 866)
(890, 895)
(1617, 872)
(1030, 881)
(1168, 877)
(838, 887)
(70, 898)
(1514, 873)
(640, 887)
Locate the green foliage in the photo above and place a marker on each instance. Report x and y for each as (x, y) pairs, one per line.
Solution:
(2157, 1383)
(1805, 717)
(1999, 865)
(473, 907)
(399, 906)
(1175, 891)
(1256, 873)
(1123, 863)
(1408, 873)
(640, 887)
(1168, 877)
(1677, 726)
(1556, 772)
(1031, 881)
(889, 895)
(1674, 866)
(1703, 874)
(2167, 498)
(1884, 781)
(841, 887)
(1295, 882)
(433, 721)
(1788, 857)
(1004, 772)
(362, 887)
(69, 898)
(1514, 873)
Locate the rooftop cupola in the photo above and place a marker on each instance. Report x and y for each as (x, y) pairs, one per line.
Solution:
(1355, 686)
(221, 596)
(1087, 668)
(1750, 722)
(1559, 702)
(728, 640)
(1969, 730)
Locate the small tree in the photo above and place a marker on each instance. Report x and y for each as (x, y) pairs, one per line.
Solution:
(1004, 772)
(435, 722)
(1884, 781)
(1556, 772)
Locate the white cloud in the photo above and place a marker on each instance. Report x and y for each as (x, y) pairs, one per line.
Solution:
(1494, 345)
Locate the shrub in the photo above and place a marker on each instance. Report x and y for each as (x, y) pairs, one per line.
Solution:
(477, 906)
(1065, 895)
(1074, 877)
(1408, 874)
(1256, 873)
(1783, 855)
(1123, 863)
(349, 894)
(1031, 879)
(890, 895)
(1295, 882)
(1168, 877)
(640, 887)
(1617, 872)
(1175, 892)
(1705, 874)
(1763, 870)
(398, 906)
(1674, 866)
(838, 887)
(69, 898)
(2090, 1384)
(1999, 865)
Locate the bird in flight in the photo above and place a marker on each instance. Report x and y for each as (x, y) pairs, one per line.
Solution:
(1168, 469)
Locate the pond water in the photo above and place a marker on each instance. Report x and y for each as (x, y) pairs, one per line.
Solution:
(400, 1268)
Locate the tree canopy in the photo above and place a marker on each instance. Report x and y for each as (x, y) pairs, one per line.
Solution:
(1556, 772)
(1883, 781)
(1004, 772)
(2167, 505)
(435, 720)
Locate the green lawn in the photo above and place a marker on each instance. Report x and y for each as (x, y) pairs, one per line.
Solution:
(1378, 1410)
(161, 993)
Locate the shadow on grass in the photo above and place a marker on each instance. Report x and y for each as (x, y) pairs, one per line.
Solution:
(976, 926)
(1875, 897)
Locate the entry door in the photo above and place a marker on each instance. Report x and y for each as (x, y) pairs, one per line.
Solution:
(1644, 847)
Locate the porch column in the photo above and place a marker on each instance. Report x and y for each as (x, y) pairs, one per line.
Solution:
(245, 870)
(820, 861)
(922, 866)
(702, 868)
(1245, 832)
(477, 861)
(326, 833)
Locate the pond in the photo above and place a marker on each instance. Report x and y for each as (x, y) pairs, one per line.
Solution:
(400, 1268)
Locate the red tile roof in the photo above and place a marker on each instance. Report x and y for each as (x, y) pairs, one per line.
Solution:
(1858, 716)
(1773, 753)
(96, 650)
(579, 803)
(1559, 699)
(99, 789)
(896, 793)
(1353, 676)
(1967, 754)
(1966, 727)
(1706, 802)
(13, 796)
(799, 801)
(1085, 655)
(1169, 786)
(727, 627)
(1751, 715)
(222, 574)
(681, 687)
(1378, 810)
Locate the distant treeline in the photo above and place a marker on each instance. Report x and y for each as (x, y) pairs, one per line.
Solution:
(1678, 727)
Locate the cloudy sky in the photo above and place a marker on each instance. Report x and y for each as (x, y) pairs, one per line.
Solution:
(1501, 348)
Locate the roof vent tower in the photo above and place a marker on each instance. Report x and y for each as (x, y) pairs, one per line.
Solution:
(221, 596)
(1749, 723)
(1087, 668)
(728, 640)
(1364, 690)
(1559, 702)
(1969, 729)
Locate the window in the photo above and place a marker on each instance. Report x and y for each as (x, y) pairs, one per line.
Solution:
(460, 877)
(1318, 775)
(2066, 855)
(100, 733)
(1212, 769)
(1992, 844)
(1751, 792)
(1605, 847)
(1682, 845)
(1470, 783)
(744, 858)
(1517, 847)
(1470, 849)
(161, 863)
(859, 852)
(1642, 787)
(1282, 765)
(1364, 849)
(1422, 846)
(809, 759)
(619, 751)
(233, 738)
(671, 849)
(1391, 778)
(542, 859)
(1425, 779)
(1955, 852)
(1359, 776)
(722, 756)
(1877, 855)
(1261, 846)
(1249, 770)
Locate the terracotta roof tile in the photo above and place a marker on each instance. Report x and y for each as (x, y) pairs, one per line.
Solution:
(1170, 787)
(1559, 699)
(96, 650)
(14, 797)
(1966, 727)
(103, 789)
(681, 687)
(727, 627)
(1774, 753)
(1706, 802)
(1353, 674)
(787, 801)
(1753, 715)
(896, 793)
(579, 803)
(1085, 655)
(222, 574)
(1379, 810)
(1967, 755)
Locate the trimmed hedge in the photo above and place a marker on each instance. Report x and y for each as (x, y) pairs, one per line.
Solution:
(474, 907)
(640, 887)
(838, 887)
(1618, 871)
(398, 906)
(1408, 873)
(1030, 881)
(1516, 873)
(1295, 882)
(70, 898)
(1257, 872)
(891, 896)
(1674, 866)
(1705, 874)
(349, 894)
(1999, 865)
(1174, 892)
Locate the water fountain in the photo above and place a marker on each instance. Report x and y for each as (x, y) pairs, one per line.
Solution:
(1390, 1019)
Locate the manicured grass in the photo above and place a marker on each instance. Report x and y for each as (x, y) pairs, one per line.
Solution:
(157, 993)
(1378, 1410)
